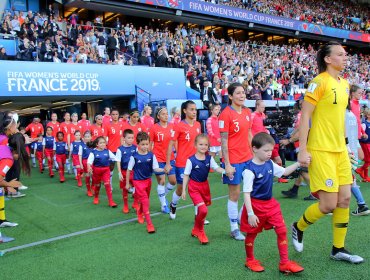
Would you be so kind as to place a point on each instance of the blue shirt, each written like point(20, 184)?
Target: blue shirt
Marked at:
point(367, 131)
point(60, 148)
point(38, 146)
point(75, 147)
point(123, 155)
point(48, 142)
point(258, 178)
point(84, 150)
point(197, 169)
point(101, 158)
point(142, 165)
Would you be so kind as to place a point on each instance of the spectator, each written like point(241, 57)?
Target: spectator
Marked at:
point(3, 55)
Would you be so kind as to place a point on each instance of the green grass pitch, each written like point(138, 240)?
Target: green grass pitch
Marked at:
point(126, 251)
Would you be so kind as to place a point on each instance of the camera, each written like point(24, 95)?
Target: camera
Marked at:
point(279, 122)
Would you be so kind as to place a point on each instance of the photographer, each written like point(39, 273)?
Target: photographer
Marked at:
point(25, 50)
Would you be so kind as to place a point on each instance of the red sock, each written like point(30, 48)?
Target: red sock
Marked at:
point(282, 243)
point(87, 181)
point(40, 165)
point(96, 191)
point(108, 190)
point(200, 217)
point(61, 170)
point(50, 165)
point(249, 246)
point(145, 207)
point(125, 196)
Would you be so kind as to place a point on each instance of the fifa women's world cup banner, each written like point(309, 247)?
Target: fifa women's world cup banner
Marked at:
point(207, 8)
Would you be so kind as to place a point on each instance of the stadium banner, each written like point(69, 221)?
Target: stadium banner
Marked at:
point(63, 79)
point(258, 18)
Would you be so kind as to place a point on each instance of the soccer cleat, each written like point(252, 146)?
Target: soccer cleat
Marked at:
point(16, 195)
point(112, 204)
point(134, 205)
point(194, 232)
point(172, 211)
point(282, 180)
point(150, 228)
point(361, 211)
point(89, 193)
point(344, 255)
point(51, 175)
point(6, 223)
point(96, 200)
point(360, 172)
point(310, 197)
point(290, 267)
point(289, 193)
point(202, 237)
point(125, 209)
point(22, 188)
point(5, 239)
point(254, 265)
point(165, 209)
point(366, 180)
point(237, 235)
point(206, 222)
point(140, 217)
point(297, 238)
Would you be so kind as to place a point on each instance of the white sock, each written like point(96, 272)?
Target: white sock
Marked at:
point(169, 188)
point(55, 162)
point(33, 159)
point(68, 165)
point(196, 209)
point(111, 180)
point(232, 211)
point(175, 199)
point(43, 162)
point(161, 195)
point(75, 171)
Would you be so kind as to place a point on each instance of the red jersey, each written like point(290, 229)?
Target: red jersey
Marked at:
point(237, 126)
point(35, 129)
point(257, 123)
point(147, 121)
point(96, 131)
point(55, 127)
point(72, 129)
point(185, 137)
point(85, 125)
point(213, 131)
point(114, 133)
point(106, 120)
point(66, 129)
point(136, 129)
point(161, 136)
point(176, 120)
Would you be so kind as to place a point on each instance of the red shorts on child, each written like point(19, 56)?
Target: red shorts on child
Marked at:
point(268, 213)
point(275, 151)
point(49, 153)
point(142, 188)
point(61, 158)
point(39, 155)
point(5, 165)
point(199, 192)
point(122, 184)
point(75, 160)
point(84, 164)
point(101, 174)
point(366, 148)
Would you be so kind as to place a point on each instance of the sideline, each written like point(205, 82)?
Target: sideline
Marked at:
point(81, 232)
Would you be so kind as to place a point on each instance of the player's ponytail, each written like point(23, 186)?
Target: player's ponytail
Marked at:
point(324, 51)
point(17, 143)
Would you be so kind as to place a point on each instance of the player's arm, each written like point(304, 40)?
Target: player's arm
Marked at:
point(112, 157)
point(131, 165)
point(281, 171)
point(90, 161)
point(43, 146)
point(118, 161)
point(307, 110)
point(54, 148)
point(155, 165)
point(248, 179)
point(168, 166)
point(229, 170)
point(80, 150)
point(216, 167)
point(185, 180)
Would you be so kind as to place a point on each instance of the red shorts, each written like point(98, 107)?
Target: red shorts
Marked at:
point(366, 148)
point(75, 160)
point(5, 165)
point(268, 213)
point(142, 188)
point(101, 174)
point(199, 192)
point(49, 153)
point(275, 151)
point(84, 165)
point(122, 184)
point(39, 155)
point(61, 158)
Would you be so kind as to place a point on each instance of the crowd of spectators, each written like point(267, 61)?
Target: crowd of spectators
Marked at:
point(344, 14)
point(267, 71)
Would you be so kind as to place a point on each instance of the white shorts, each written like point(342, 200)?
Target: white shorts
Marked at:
point(215, 149)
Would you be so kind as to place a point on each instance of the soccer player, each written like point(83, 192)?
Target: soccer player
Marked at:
point(185, 133)
point(84, 123)
point(123, 155)
point(107, 117)
point(74, 151)
point(48, 144)
point(54, 124)
point(363, 171)
point(38, 151)
point(35, 128)
point(324, 150)
point(65, 127)
point(98, 166)
point(260, 209)
point(83, 153)
point(213, 130)
point(142, 164)
point(60, 151)
point(134, 124)
point(97, 129)
point(196, 176)
point(160, 136)
point(236, 137)
point(146, 118)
